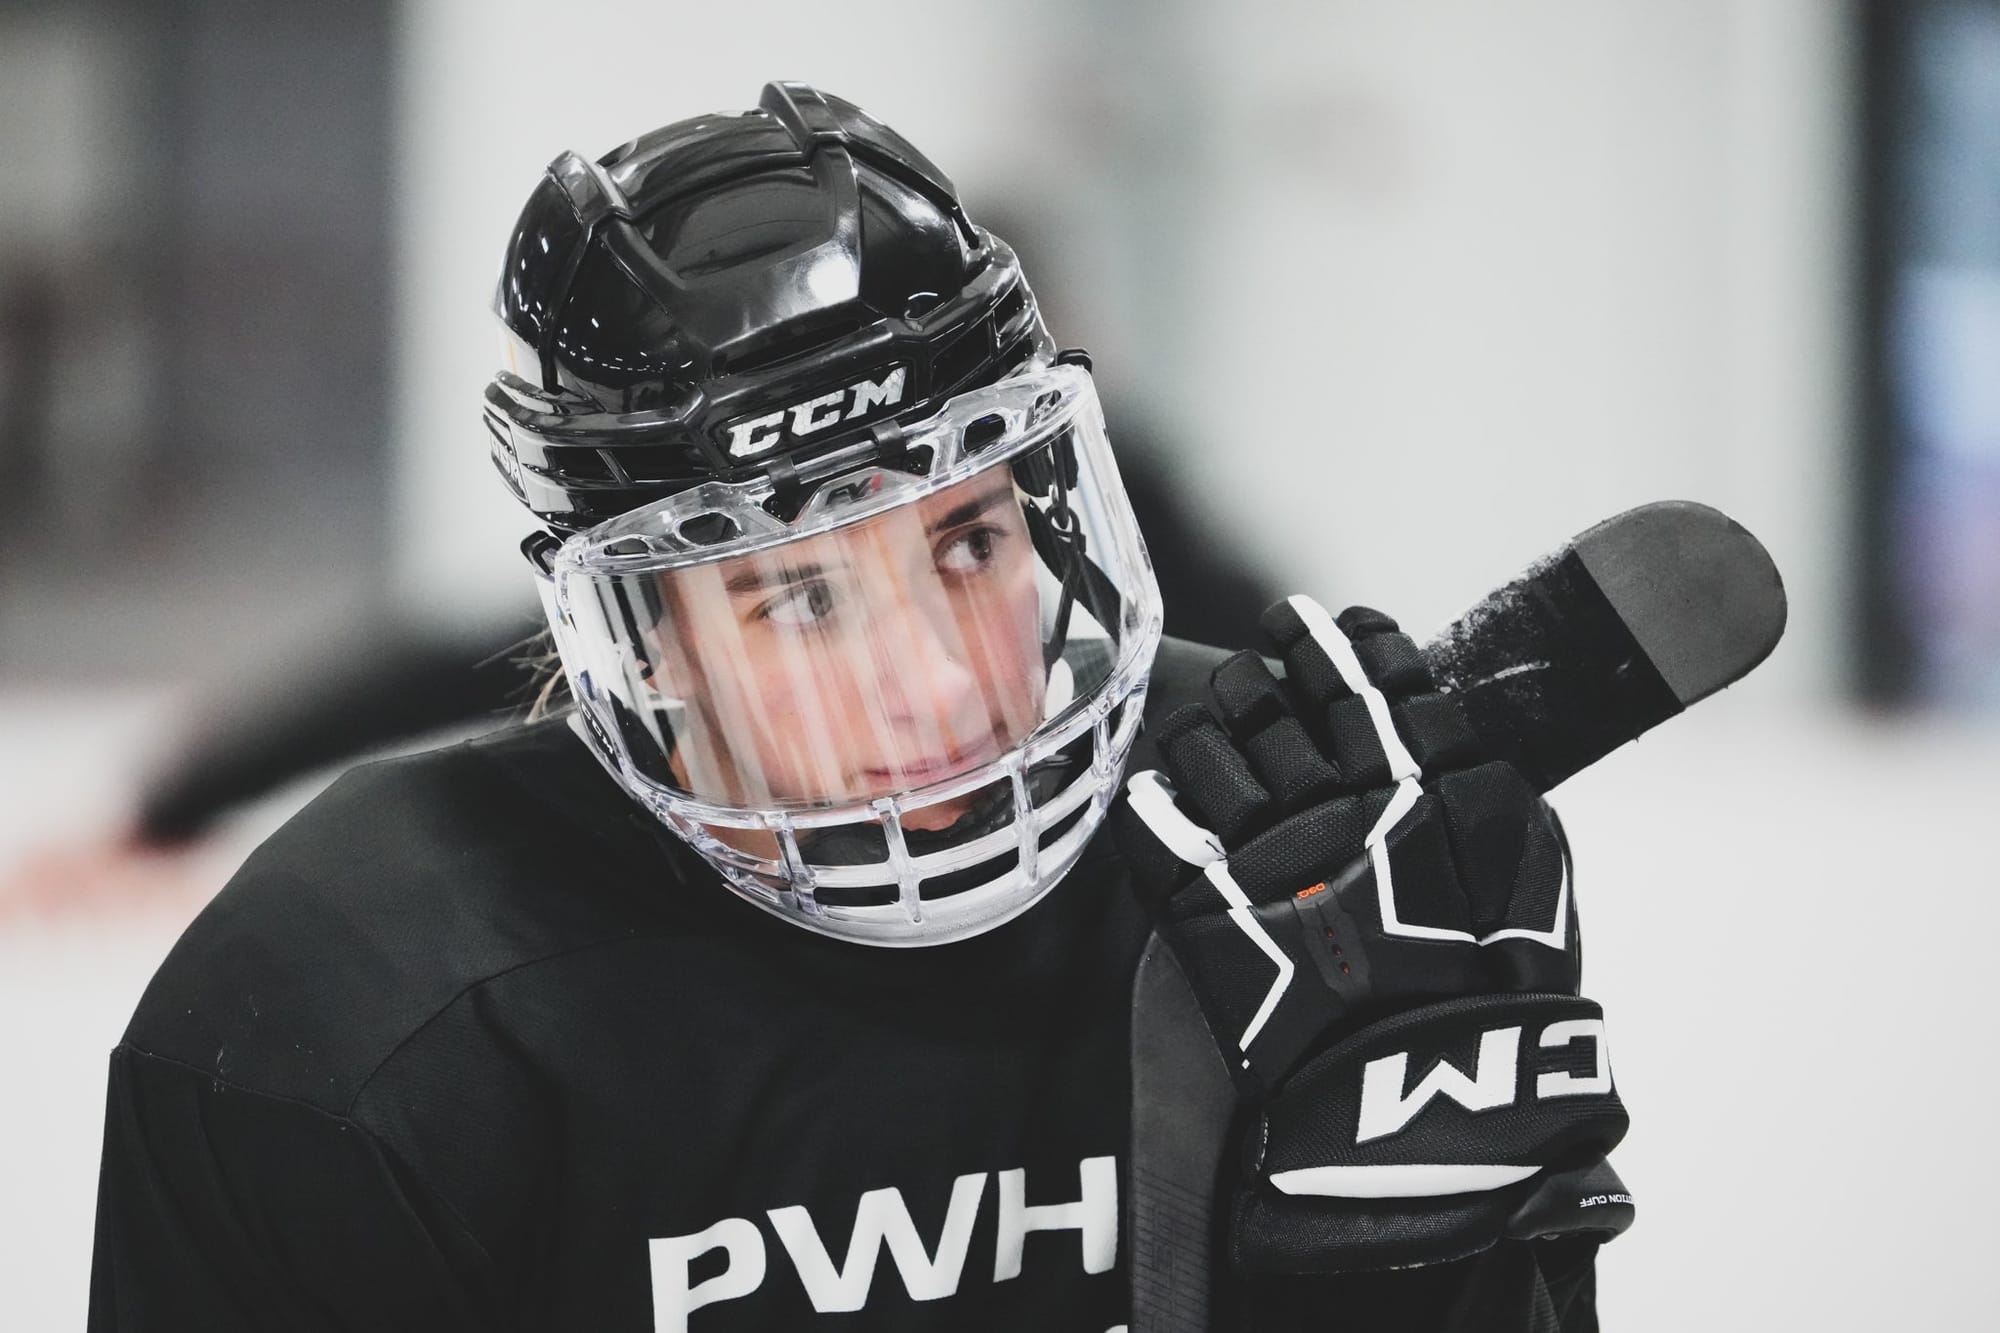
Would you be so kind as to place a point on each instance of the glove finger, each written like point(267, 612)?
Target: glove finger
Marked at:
point(1289, 762)
point(1394, 664)
point(1355, 741)
point(1164, 848)
point(1244, 696)
point(1360, 621)
point(1431, 725)
point(1389, 658)
point(1350, 723)
point(1253, 709)
point(1211, 778)
point(1309, 673)
point(1435, 731)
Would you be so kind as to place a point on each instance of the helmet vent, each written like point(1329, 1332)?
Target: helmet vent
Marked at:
point(661, 462)
point(709, 529)
point(985, 431)
point(582, 464)
point(1010, 307)
point(960, 360)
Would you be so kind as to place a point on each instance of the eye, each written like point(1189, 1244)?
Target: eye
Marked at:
point(969, 551)
point(802, 606)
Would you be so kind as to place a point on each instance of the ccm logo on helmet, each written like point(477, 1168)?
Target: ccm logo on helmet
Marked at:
point(857, 402)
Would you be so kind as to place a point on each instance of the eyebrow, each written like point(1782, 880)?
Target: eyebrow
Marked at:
point(752, 580)
point(972, 509)
point(755, 580)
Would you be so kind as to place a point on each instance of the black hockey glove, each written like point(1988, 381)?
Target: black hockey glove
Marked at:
point(1378, 925)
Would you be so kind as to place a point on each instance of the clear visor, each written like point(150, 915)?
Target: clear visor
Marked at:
point(908, 636)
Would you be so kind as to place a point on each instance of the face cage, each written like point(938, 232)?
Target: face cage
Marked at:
point(1012, 866)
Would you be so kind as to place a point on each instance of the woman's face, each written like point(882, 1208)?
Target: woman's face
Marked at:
point(883, 656)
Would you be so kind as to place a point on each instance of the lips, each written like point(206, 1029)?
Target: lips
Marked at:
point(933, 769)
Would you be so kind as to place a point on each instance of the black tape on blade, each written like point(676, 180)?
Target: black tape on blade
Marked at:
point(1548, 673)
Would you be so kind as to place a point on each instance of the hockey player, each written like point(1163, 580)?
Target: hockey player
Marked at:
point(787, 981)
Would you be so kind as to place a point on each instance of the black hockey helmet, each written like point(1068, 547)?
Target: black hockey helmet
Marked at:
point(735, 296)
point(844, 581)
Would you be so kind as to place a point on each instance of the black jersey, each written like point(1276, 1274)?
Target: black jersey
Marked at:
point(473, 1043)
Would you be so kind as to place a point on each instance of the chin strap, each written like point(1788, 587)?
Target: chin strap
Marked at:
point(1059, 542)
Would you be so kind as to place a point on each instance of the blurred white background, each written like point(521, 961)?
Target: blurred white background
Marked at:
point(1407, 293)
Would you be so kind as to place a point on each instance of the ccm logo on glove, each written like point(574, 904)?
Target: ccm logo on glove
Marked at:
point(1482, 1115)
point(1494, 1082)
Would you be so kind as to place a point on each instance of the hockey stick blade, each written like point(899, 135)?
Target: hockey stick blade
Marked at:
point(1627, 625)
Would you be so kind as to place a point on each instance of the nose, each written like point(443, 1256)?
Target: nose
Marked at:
point(930, 691)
